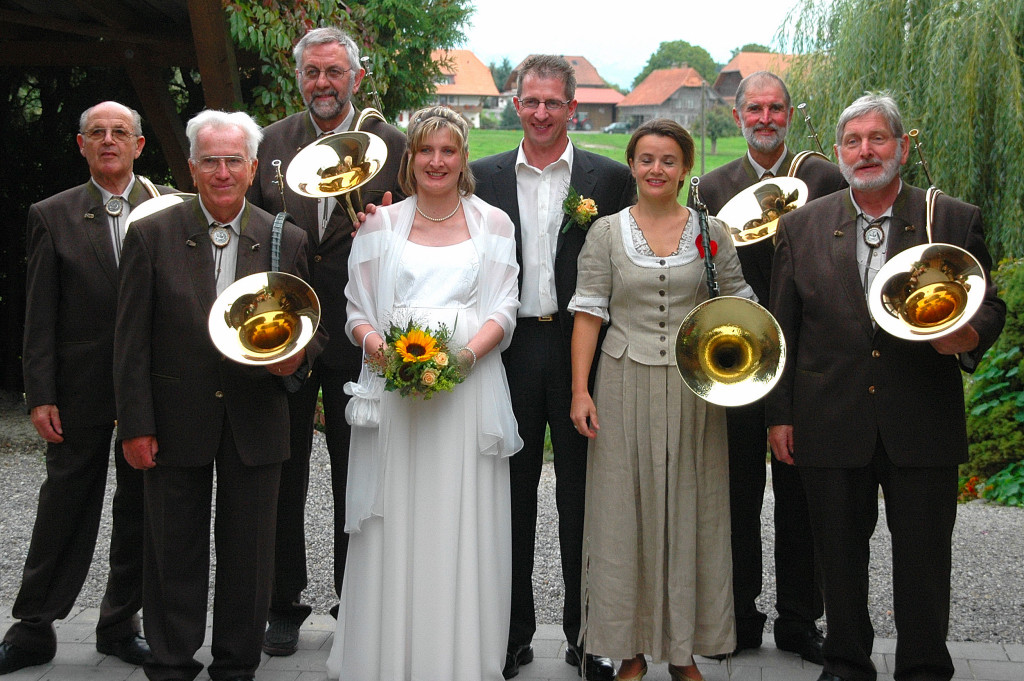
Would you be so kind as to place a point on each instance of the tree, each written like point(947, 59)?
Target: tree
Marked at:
point(676, 53)
point(749, 47)
point(500, 73)
point(719, 123)
point(509, 118)
point(397, 36)
point(955, 67)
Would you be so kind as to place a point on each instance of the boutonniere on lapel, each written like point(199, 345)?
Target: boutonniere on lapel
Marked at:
point(700, 246)
point(580, 210)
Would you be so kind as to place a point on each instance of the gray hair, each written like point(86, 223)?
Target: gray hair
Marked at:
point(759, 78)
point(326, 36)
point(548, 66)
point(873, 102)
point(136, 118)
point(217, 120)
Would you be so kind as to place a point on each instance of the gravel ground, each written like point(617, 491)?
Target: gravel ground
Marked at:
point(988, 572)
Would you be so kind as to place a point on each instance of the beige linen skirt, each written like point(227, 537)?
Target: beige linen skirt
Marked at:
point(657, 566)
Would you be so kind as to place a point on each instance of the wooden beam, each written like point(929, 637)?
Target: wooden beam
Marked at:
point(51, 23)
point(215, 54)
point(163, 117)
point(90, 53)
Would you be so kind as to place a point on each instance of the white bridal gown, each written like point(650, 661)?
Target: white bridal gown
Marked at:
point(426, 588)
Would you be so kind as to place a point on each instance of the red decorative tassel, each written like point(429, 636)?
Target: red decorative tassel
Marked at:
point(700, 246)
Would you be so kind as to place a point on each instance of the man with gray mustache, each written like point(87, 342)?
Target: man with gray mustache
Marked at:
point(763, 112)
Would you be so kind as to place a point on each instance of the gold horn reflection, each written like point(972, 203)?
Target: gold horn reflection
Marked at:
point(336, 165)
point(753, 214)
point(730, 351)
point(264, 318)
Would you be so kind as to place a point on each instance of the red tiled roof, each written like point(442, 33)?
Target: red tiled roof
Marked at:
point(472, 77)
point(586, 74)
point(660, 85)
point(598, 95)
point(750, 62)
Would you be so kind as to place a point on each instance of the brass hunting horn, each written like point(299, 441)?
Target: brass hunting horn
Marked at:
point(729, 350)
point(341, 163)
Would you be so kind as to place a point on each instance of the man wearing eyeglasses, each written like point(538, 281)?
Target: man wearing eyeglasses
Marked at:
point(763, 113)
point(328, 72)
point(530, 183)
point(184, 409)
point(74, 244)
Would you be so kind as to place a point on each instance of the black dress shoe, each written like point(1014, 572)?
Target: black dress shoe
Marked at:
point(132, 650)
point(805, 642)
point(13, 658)
point(241, 678)
point(593, 668)
point(826, 676)
point(516, 657)
point(281, 638)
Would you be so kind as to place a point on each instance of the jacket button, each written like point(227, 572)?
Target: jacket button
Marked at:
point(661, 278)
point(661, 308)
point(219, 394)
point(876, 354)
point(871, 389)
point(317, 258)
point(661, 293)
point(661, 324)
point(663, 353)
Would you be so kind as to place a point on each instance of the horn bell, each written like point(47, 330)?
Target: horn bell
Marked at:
point(264, 318)
point(730, 351)
point(336, 164)
point(927, 292)
point(155, 205)
point(753, 214)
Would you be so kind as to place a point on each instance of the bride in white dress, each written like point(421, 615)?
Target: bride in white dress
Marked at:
point(428, 574)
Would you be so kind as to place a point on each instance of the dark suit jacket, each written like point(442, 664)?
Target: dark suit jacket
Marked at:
point(725, 182)
point(328, 259)
point(847, 383)
point(71, 304)
point(596, 177)
point(169, 378)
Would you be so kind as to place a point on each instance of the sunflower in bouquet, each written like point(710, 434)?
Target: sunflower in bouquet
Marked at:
point(416, 360)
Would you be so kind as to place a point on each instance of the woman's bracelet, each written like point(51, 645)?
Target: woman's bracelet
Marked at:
point(472, 353)
point(367, 336)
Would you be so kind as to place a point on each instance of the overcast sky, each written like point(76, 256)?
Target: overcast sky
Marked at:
point(620, 38)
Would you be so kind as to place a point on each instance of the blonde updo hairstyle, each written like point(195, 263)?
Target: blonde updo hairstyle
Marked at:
point(425, 122)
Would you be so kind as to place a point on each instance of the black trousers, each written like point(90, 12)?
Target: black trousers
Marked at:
point(920, 511)
point(798, 591)
point(64, 538)
point(177, 564)
point(290, 576)
point(537, 365)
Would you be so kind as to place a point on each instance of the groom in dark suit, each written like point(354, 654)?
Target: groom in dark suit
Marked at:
point(74, 243)
point(763, 113)
point(530, 184)
point(858, 409)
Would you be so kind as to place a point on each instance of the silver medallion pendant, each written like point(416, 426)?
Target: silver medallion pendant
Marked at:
point(220, 236)
point(874, 236)
point(114, 206)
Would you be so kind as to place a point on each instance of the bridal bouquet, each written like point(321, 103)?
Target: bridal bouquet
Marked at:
point(416, 361)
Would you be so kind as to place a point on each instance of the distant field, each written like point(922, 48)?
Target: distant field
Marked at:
point(486, 142)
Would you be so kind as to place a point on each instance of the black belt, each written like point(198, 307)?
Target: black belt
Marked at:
point(529, 321)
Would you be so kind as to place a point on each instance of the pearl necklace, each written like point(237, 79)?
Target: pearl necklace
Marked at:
point(457, 206)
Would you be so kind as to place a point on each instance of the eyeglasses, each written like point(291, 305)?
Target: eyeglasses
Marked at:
point(100, 134)
point(549, 104)
point(313, 73)
point(211, 164)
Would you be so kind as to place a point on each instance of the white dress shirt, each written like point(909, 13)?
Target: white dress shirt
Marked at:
point(541, 193)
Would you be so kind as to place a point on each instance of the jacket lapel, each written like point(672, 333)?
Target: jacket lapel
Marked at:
point(584, 181)
point(98, 228)
point(199, 257)
point(844, 263)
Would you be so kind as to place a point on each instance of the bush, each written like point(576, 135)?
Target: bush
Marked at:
point(995, 392)
point(1007, 486)
point(489, 121)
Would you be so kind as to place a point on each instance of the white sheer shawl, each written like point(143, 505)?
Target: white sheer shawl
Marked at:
point(373, 272)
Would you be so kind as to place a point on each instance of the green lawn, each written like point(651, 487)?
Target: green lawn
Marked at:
point(486, 142)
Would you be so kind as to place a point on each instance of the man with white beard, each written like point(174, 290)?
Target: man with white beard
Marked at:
point(763, 112)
